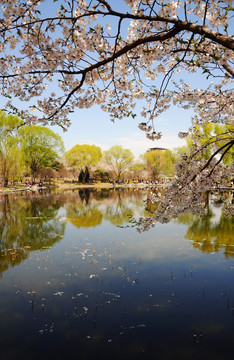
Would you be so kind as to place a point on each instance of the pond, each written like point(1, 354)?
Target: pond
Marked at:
point(78, 280)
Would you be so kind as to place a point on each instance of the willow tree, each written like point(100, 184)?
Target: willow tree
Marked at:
point(12, 163)
point(113, 54)
point(42, 148)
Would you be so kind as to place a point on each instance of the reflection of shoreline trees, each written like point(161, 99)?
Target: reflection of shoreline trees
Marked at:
point(33, 223)
point(27, 224)
point(206, 234)
point(118, 213)
point(83, 215)
point(87, 210)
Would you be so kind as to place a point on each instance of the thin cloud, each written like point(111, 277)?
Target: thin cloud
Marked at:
point(138, 144)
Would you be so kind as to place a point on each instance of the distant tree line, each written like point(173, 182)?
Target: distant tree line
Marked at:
point(117, 163)
point(37, 152)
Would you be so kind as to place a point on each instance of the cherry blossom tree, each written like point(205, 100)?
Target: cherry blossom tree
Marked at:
point(74, 46)
point(117, 54)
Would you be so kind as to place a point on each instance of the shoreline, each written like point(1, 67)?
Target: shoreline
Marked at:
point(71, 186)
point(75, 186)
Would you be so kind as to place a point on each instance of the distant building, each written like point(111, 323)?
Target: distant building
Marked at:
point(156, 148)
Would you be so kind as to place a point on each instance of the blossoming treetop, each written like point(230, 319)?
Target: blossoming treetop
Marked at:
point(74, 46)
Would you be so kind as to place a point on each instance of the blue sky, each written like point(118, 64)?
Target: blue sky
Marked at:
point(93, 126)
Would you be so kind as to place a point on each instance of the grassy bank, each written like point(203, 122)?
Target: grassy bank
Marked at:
point(69, 186)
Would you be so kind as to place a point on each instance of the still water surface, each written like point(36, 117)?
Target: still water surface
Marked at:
point(77, 281)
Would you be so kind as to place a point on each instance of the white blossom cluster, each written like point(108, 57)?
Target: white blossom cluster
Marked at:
point(197, 177)
point(93, 64)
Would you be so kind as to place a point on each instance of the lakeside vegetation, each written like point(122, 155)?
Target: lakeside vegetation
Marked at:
point(33, 154)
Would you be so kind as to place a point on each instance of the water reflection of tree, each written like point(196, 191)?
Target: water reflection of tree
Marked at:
point(207, 235)
point(27, 224)
point(87, 209)
point(118, 214)
point(83, 215)
point(84, 195)
point(31, 223)
point(122, 205)
point(117, 210)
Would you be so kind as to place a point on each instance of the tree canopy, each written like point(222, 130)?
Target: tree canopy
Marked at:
point(210, 134)
point(82, 156)
point(11, 154)
point(160, 162)
point(26, 148)
point(42, 147)
point(118, 159)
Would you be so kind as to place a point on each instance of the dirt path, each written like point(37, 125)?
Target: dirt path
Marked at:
point(71, 186)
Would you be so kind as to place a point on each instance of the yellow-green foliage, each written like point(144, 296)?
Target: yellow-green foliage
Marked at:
point(26, 147)
point(11, 155)
point(160, 162)
point(212, 136)
point(118, 159)
point(81, 156)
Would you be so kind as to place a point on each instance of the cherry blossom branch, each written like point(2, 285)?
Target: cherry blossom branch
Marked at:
point(155, 30)
point(215, 36)
point(205, 12)
point(116, 55)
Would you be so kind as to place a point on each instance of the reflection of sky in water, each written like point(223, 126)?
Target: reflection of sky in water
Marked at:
point(113, 292)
